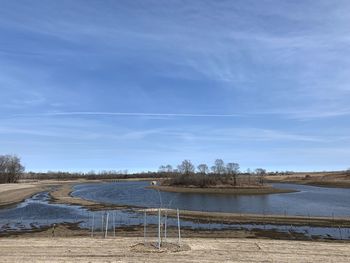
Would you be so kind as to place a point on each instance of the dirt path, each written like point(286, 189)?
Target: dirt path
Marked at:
point(201, 250)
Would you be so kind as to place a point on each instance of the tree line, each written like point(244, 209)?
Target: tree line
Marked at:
point(187, 173)
point(11, 170)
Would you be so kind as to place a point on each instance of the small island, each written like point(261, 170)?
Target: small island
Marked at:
point(223, 179)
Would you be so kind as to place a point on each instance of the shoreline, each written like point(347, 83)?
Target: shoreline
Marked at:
point(241, 218)
point(224, 191)
point(67, 230)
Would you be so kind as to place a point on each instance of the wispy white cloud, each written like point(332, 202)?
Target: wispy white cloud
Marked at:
point(130, 114)
point(249, 72)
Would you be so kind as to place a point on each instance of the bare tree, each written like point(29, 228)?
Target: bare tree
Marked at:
point(161, 169)
point(186, 167)
point(260, 173)
point(165, 169)
point(10, 168)
point(232, 170)
point(203, 168)
point(249, 172)
point(219, 167)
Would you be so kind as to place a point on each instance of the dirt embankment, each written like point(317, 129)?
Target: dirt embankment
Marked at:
point(11, 194)
point(121, 249)
point(222, 190)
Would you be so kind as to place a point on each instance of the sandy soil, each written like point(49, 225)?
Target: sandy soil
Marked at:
point(15, 193)
point(122, 249)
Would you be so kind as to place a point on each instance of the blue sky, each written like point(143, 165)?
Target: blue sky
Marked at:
point(136, 84)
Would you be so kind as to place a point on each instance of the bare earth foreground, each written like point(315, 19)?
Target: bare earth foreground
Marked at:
point(25, 249)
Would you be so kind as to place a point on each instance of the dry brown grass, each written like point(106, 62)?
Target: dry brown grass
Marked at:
point(201, 250)
point(328, 179)
point(15, 193)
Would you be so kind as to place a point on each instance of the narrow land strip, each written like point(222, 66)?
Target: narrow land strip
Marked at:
point(11, 194)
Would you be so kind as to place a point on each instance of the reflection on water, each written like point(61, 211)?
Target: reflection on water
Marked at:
point(308, 201)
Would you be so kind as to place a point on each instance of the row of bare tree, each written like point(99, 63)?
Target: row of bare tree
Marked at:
point(186, 173)
point(11, 170)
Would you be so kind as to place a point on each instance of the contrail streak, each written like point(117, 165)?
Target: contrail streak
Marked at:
point(132, 114)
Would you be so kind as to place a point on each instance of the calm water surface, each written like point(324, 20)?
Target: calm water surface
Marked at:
point(309, 200)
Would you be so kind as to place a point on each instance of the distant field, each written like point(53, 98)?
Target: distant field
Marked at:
point(330, 179)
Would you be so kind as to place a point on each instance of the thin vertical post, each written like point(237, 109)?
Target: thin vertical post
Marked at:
point(92, 225)
point(106, 225)
point(165, 226)
point(114, 216)
point(341, 238)
point(178, 225)
point(102, 224)
point(159, 228)
point(144, 227)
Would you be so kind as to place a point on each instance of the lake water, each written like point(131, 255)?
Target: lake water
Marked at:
point(309, 200)
point(37, 211)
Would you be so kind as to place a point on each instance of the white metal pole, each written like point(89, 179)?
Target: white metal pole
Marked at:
point(159, 228)
point(144, 227)
point(165, 226)
point(114, 216)
point(106, 225)
point(102, 224)
point(92, 225)
point(178, 225)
